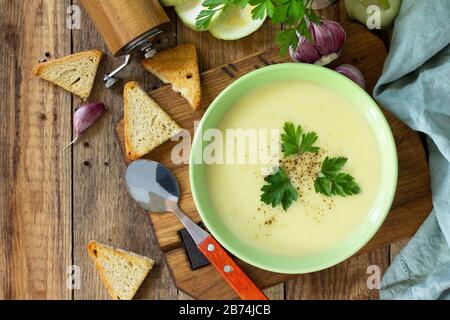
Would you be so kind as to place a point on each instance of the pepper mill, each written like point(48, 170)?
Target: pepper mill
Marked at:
point(127, 27)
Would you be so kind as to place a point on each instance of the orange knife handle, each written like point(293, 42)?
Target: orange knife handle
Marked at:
point(229, 269)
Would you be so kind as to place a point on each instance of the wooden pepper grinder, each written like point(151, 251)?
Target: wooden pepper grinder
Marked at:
point(127, 27)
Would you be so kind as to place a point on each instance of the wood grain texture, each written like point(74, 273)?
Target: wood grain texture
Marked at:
point(214, 52)
point(35, 188)
point(412, 202)
point(45, 191)
point(346, 281)
point(396, 247)
point(102, 209)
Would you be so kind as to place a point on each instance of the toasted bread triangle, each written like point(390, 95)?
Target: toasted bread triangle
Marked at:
point(179, 67)
point(122, 272)
point(75, 73)
point(147, 126)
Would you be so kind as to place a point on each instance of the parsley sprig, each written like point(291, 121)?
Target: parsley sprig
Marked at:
point(333, 182)
point(279, 190)
point(294, 15)
point(205, 16)
point(295, 141)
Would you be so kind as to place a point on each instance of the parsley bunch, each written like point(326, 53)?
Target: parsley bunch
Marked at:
point(294, 15)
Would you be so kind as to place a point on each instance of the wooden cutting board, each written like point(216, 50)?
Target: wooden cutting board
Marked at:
point(412, 201)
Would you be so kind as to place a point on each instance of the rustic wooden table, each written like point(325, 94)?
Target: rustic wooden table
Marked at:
point(52, 202)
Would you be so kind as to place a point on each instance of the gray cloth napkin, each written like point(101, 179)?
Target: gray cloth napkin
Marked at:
point(415, 87)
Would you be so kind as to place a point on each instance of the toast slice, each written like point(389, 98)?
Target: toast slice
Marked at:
point(147, 126)
point(75, 73)
point(179, 67)
point(122, 272)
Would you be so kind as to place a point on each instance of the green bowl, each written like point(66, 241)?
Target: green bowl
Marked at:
point(359, 237)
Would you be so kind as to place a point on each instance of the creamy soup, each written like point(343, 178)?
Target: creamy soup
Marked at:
point(314, 222)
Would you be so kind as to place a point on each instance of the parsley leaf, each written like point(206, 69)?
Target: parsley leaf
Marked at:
point(303, 29)
point(262, 8)
point(294, 141)
point(333, 182)
point(204, 19)
point(308, 139)
point(279, 190)
point(296, 11)
point(291, 139)
point(286, 39)
point(205, 16)
point(280, 13)
point(241, 3)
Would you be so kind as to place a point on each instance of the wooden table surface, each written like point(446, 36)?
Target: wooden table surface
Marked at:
point(52, 202)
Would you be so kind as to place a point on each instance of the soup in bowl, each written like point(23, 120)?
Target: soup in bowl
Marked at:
point(293, 168)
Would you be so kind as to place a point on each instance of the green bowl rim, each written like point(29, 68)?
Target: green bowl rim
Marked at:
point(392, 156)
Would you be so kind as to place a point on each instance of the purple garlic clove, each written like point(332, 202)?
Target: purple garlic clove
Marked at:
point(353, 73)
point(85, 116)
point(306, 52)
point(338, 35)
point(322, 38)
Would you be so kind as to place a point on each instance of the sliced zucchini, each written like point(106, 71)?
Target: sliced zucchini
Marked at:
point(358, 10)
point(189, 11)
point(235, 23)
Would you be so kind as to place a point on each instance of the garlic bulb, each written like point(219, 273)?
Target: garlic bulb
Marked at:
point(353, 73)
point(328, 38)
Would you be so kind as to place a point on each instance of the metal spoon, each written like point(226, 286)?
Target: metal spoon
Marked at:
point(155, 188)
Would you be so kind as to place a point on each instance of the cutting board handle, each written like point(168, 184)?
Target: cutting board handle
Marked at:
point(229, 269)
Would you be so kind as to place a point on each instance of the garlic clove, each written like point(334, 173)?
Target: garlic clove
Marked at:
point(353, 73)
point(84, 117)
point(338, 35)
point(322, 38)
point(306, 52)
